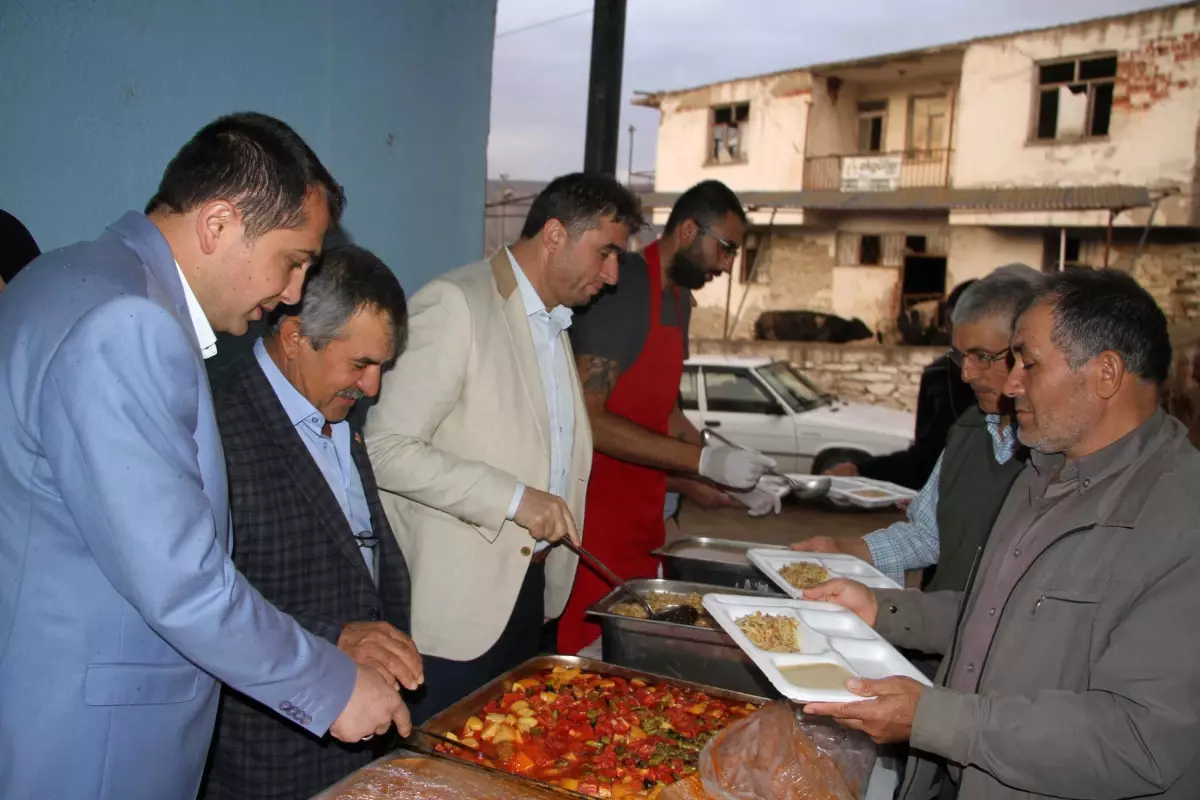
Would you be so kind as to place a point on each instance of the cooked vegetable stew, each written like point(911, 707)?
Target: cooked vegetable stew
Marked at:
point(598, 735)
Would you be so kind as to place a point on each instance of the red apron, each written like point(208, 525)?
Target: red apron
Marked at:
point(625, 502)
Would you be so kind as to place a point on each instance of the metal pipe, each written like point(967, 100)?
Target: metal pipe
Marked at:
point(604, 87)
point(1062, 249)
point(629, 171)
point(1145, 233)
point(1112, 212)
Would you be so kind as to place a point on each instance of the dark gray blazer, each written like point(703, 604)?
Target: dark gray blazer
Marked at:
point(293, 543)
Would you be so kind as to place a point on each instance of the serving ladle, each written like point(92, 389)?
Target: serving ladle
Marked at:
point(677, 615)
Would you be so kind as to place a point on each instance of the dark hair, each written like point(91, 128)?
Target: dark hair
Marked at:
point(1098, 310)
point(342, 281)
point(17, 247)
point(705, 203)
point(254, 161)
point(580, 201)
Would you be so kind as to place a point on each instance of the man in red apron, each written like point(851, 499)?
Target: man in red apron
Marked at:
point(630, 345)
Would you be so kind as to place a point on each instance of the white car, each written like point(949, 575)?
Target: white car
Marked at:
point(771, 407)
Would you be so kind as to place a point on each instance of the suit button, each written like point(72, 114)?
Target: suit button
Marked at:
point(285, 706)
point(525, 551)
point(375, 615)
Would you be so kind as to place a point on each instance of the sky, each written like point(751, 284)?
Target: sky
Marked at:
point(543, 49)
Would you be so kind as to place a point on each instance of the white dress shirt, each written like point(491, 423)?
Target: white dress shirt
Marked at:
point(205, 335)
point(546, 327)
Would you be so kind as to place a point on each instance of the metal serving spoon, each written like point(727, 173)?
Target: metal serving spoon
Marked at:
point(812, 489)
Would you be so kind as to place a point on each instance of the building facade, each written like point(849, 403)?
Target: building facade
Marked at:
point(876, 185)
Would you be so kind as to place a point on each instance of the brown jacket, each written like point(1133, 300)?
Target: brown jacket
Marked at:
point(1091, 685)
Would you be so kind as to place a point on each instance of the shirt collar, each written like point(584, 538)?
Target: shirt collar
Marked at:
point(295, 405)
point(1090, 469)
point(559, 315)
point(205, 337)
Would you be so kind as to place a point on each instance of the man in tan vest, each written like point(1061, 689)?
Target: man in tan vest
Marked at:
point(481, 444)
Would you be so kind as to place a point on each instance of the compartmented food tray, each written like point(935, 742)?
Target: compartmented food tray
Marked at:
point(818, 646)
point(715, 562)
point(863, 492)
point(777, 565)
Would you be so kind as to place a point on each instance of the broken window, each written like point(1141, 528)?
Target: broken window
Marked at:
point(754, 261)
point(872, 117)
point(1066, 250)
point(927, 124)
point(727, 129)
point(870, 250)
point(1075, 98)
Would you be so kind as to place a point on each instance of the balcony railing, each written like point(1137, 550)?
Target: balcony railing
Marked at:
point(878, 171)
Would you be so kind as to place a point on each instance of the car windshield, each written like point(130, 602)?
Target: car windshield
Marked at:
point(796, 390)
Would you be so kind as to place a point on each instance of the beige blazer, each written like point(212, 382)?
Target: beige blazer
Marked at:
point(460, 419)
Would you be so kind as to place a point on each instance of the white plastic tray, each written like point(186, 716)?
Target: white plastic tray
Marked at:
point(839, 565)
point(828, 634)
point(863, 492)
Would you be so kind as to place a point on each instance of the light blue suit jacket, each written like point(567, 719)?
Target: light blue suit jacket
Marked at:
point(119, 607)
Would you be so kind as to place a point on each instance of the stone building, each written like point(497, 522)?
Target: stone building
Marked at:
point(877, 184)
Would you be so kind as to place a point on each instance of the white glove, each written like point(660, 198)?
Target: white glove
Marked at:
point(733, 466)
point(766, 497)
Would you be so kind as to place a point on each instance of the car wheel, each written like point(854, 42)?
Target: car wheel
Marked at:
point(825, 460)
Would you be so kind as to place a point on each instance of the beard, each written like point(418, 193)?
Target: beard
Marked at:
point(686, 269)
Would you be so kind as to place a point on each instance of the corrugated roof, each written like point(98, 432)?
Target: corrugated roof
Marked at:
point(1049, 198)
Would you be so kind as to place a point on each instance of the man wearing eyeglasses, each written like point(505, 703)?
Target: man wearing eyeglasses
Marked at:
point(630, 345)
point(310, 533)
point(950, 518)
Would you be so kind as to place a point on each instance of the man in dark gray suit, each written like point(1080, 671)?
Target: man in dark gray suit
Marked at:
point(311, 535)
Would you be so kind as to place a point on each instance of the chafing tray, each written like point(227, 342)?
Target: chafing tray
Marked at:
point(371, 782)
point(455, 717)
point(715, 562)
point(687, 652)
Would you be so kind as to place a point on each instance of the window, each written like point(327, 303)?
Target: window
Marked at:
point(754, 260)
point(733, 390)
point(916, 244)
point(1066, 251)
point(927, 124)
point(689, 390)
point(727, 128)
point(796, 390)
point(870, 250)
point(879, 249)
point(1075, 98)
point(872, 117)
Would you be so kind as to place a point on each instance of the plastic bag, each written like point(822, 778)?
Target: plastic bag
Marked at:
point(403, 776)
point(778, 754)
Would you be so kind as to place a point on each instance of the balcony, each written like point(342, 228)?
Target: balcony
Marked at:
point(878, 172)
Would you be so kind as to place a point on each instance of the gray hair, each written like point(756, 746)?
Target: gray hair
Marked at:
point(1002, 293)
point(344, 280)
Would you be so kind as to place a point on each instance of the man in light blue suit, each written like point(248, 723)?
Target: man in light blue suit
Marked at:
point(119, 606)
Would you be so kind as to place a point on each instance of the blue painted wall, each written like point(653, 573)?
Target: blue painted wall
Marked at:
point(394, 95)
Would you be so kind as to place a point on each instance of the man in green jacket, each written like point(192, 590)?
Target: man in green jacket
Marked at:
point(1071, 669)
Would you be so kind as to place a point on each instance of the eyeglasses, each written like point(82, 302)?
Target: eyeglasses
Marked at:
point(729, 247)
point(979, 359)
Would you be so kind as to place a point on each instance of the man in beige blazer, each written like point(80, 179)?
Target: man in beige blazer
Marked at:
point(481, 444)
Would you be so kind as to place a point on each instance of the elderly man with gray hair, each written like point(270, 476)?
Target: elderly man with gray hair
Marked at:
point(309, 531)
point(949, 520)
